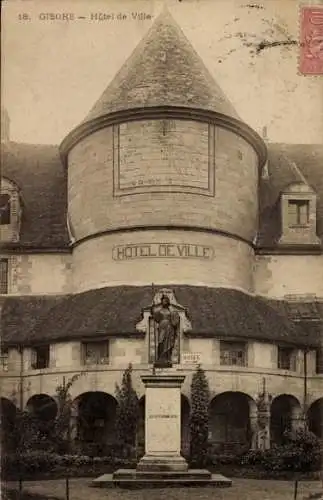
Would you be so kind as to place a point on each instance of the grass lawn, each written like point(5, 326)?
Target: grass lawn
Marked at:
point(242, 489)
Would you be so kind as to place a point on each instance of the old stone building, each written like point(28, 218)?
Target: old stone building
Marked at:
point(164, 189)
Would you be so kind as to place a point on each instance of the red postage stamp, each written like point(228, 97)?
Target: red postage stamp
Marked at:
point(311, 40)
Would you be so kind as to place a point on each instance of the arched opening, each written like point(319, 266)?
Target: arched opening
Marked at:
point(42, 410)
point(229, 426)
point(285, 415)
point(8, 412)
point(43, 407)
point(315, 418)
point(96, 413)
point(185, 426)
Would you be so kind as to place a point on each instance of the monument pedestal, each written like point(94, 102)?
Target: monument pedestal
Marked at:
point(163, 424)
point(162, 465)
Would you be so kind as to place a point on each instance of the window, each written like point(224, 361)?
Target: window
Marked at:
point(96, 353)
point(286, 359)
point(233, 353)
point(298, 212)
point(4, 209)
point(40, 357)
point(4, 357)
point(3, 276)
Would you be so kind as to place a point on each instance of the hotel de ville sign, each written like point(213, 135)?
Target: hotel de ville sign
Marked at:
point(162, 250)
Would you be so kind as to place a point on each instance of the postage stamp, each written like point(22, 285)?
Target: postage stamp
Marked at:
point(311, 40)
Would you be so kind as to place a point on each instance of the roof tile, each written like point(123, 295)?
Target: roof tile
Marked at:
point(163, 69)
point(217, 312)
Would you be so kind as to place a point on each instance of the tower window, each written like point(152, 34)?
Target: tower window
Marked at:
point(5, 209)
point(3, 276)
point(298, 212)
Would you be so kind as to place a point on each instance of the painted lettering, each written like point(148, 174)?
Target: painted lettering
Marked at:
point(162, 250)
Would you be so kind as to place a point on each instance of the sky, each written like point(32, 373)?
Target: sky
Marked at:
point(53, 71)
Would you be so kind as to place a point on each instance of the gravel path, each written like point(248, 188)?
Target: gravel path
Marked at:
point(242, 489)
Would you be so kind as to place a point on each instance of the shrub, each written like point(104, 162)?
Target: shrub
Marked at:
point(28, 463)
point(127, 414)
point(199, 418)
point(39, 463)
point(301, 452)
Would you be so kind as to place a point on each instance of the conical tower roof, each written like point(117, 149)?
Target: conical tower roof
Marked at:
point(164, 69)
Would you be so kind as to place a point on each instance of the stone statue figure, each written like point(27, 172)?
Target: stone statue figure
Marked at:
point(167, 322)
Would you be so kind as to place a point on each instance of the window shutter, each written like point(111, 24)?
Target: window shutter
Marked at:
point(292, 213)
point(33, 358)
point(4, 276)
point(303, 213)
point(5, 206)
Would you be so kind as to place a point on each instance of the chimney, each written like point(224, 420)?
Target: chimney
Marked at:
point(5, 126)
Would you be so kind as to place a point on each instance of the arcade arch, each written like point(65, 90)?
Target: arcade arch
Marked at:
point(95, 414)
point(285, 415)
point(230, 421)
point(315, 418)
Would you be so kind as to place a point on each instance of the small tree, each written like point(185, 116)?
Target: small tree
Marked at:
point(26, 434)
point(199, 417)
point(62, 427)
point(127, 414)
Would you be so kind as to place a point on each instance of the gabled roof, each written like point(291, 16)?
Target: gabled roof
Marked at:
point(163, 69)
point(39, 174)
point(214, 312)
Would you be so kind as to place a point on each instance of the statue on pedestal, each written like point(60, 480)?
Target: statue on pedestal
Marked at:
point(166, 322)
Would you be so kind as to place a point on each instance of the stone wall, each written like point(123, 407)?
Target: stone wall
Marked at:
point(104, 194)
point(66, 360)
point(276, 276)
point(39, 274)
point(175, 257)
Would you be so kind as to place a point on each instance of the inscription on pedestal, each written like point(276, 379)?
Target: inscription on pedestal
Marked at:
point(162, 416)
point(163, 420)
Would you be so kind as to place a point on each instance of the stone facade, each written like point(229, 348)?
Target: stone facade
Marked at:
point(171, 193)
point(278, 276)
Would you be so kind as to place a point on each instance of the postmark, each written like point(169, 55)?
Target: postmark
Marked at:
point(311, 40)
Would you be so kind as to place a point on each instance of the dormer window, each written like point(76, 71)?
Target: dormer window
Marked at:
point(298, 215)
point(4, 209)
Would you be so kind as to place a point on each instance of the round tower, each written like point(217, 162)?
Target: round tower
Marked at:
point(163, 175)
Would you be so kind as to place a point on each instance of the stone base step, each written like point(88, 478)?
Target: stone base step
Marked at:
point(162, 474)
point(156, 481)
